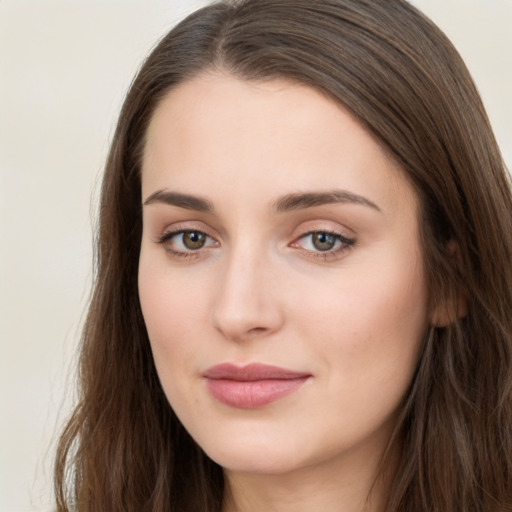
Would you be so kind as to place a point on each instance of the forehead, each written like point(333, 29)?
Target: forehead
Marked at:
point(275, 135)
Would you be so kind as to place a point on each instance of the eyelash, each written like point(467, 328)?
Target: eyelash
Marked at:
point(345, 244)
point(166, 237)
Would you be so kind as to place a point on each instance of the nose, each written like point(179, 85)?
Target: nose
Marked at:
point(246, 305)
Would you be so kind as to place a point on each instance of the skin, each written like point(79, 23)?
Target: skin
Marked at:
point(259, 290)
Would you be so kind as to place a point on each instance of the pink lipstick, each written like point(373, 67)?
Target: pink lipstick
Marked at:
point(251, 386)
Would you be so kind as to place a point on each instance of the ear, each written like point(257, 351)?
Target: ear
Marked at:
point(453, 305)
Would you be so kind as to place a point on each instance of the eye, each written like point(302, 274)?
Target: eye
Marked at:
point(323, 243)
point(193, 240)
point(185, 242)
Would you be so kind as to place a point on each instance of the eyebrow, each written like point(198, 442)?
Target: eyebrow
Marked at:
point(181, 200)
point(289, 202)
point(301, 201)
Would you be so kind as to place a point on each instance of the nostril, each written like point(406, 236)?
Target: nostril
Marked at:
point(256, 330)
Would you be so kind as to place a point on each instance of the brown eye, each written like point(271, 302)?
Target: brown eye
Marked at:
point(194, 240)
point(186, 242)
point(323, 241)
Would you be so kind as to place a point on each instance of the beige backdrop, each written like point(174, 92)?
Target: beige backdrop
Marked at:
point(64, 68)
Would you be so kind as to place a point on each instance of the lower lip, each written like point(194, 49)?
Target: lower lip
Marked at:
point(252, 394)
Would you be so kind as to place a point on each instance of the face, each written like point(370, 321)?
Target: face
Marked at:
point(281, 277)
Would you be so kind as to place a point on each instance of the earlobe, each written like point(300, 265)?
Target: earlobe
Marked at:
point(453, 303)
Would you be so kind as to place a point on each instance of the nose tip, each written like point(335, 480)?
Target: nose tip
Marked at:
point(246, 306)
point(239, 318)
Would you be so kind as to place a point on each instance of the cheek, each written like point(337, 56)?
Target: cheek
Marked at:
point(174, 312)
point(384, 297)
point(369, 327)
point(171, 313)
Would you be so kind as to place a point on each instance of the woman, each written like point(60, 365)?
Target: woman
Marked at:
point(304, 280)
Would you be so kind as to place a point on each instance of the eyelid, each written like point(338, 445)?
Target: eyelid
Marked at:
point(335, 234)
point(182, 226)
point(343, 242)
point(165, 239)
point(346, 242)
point(168, 235)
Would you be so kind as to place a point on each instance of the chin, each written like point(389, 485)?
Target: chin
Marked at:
point(259, 454)
point(266, 462)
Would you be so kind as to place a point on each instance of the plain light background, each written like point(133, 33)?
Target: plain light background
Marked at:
point(64, 69)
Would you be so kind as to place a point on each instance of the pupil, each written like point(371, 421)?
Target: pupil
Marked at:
point(323, 241)
point(193, 240)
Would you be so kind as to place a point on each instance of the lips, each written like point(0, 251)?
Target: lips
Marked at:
point(252, 386)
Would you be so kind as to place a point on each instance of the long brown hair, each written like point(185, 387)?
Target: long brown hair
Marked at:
point(124, 449)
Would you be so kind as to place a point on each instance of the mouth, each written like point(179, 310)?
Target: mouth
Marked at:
point(252, 386)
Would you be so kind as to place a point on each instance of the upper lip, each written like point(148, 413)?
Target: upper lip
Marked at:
point(252, 372)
